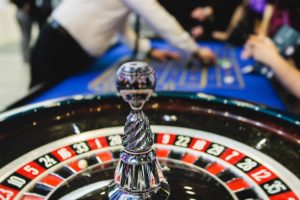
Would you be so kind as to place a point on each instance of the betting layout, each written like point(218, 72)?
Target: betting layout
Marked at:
point(242, 172)
point(180, 76)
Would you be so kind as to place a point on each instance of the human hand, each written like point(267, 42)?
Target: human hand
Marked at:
point(206, 56)
point(163, 55)
point(197, 31)
point(202, 13)
point(221, 36)
point(261, 49)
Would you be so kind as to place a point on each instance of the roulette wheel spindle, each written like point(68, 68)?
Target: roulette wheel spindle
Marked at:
point(138, 174)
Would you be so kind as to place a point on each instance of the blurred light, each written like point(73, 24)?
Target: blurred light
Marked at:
point(187, 187)
point(155, 105)
point(76, 129)
point(190, 192)
point(78, 97)
point(205, 96)
point(165, 168)
point(258, 123)
point(261, 144)
point(170, 118)
point(280, 132)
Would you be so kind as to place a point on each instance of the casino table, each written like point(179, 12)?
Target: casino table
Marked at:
point(208, 146)
point(228, 81)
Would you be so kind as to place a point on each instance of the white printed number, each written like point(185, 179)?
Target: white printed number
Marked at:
point(97, 142)
point(233, 154)
point(81, 147)
point(182, 141)
point(16, 181)
point(49, 162)
point(260, 175)
point(31, 170)
point(275, 187)
point(165, 139)
point(216, 149)
point(199, 145)
point(64, 153)
point(115, 140)
point(247, 165)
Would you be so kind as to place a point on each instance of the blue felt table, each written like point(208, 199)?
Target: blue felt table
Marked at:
point(176, 76)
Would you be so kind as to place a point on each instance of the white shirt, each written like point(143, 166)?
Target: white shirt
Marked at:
point(93, 23)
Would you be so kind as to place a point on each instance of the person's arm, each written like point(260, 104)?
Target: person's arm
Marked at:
point(264, 50)
point(267, 16)
point(129, 37)
point(236, 18)
point(168, 28)
point(287, 74)
point(163, 23)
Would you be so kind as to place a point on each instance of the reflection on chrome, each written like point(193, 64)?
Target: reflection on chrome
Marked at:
point(138, 175)
point(75, 128)
point(170, 118)
point(261, 144)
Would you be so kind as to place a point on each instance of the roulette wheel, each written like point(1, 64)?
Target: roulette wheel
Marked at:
point(204, 147)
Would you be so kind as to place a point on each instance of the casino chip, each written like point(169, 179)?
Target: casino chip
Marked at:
point(228, 79)
point(225, 63)
point(247, 69)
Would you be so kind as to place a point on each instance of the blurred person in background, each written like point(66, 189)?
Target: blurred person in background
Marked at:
point(83, 30)
point(200, 18)
point(215, 13)
point(251, 16)
point(28, 12)
point(263, 49)
point(24, 20)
